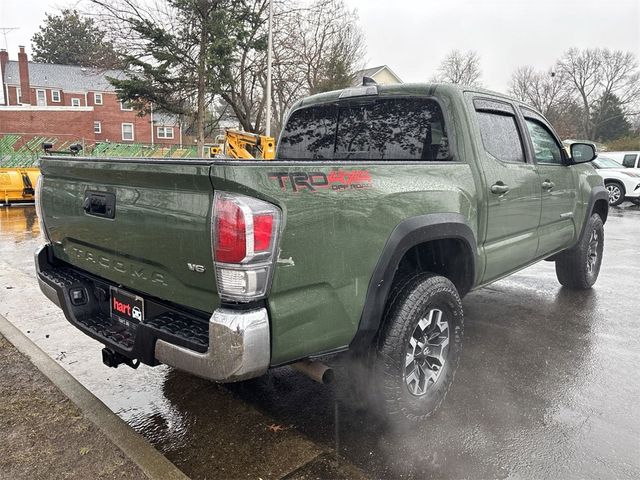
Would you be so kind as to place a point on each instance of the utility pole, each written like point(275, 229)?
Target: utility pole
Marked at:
point(269, 60)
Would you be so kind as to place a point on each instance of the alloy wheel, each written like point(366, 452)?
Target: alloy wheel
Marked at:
point(614, 193)
point(426, 352)
point(592, 253)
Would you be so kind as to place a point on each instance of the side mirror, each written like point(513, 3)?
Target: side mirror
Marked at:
point(582, 153)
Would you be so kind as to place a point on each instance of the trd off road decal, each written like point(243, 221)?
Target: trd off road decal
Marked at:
point(337, 180)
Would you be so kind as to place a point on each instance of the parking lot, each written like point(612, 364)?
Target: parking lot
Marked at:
point(547, 387)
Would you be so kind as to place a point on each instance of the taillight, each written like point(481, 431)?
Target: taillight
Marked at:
point(230, 231)
point(245, 238)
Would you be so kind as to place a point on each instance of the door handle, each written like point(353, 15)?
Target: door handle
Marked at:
point(548, 185)
point(499, 188)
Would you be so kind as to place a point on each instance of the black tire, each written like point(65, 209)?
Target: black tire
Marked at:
point(417, 302)
point(616, 192)
point(578, 268)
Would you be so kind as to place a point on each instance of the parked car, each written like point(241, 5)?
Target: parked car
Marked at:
point(626, 159)
point(621, 184)
point(384, 206)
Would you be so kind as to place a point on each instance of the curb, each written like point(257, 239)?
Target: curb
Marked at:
point(133, 445)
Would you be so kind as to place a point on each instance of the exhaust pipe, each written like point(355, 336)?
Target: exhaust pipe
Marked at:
point(315, 371)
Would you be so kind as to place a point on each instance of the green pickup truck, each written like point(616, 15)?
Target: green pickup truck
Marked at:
point(385, 205)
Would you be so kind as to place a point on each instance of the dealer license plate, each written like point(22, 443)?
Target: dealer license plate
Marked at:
point(126, 308)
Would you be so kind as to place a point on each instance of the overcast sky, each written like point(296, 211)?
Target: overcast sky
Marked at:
point(412, 36)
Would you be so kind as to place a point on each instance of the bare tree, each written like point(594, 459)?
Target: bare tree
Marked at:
point(543, 90)
point(596, 75)
point(328, 35)
point(619, 84)
point(462, 68)
point(582, 68)
point(190, 55)
point(316, 48)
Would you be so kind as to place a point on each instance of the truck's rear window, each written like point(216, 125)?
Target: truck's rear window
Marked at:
point(381, 129)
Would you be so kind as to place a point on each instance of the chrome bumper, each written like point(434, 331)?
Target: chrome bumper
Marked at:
point(239, 347)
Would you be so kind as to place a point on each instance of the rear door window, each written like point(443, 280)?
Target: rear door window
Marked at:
point(500, 136)
point(629, 161)
point(410, 129)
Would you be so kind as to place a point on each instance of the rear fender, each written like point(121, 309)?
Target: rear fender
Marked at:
point(409, 233)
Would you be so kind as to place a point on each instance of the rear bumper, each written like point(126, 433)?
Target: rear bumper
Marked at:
point(238, 347)
point(229, 346)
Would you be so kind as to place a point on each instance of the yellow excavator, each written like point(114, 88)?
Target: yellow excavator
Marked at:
point(17, 185)
point(243, 146)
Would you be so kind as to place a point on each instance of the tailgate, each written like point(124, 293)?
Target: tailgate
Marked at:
point(159, 239)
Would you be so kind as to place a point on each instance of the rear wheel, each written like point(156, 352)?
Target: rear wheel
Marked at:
point(579, 267)
point(419, 347)
point(616, 192)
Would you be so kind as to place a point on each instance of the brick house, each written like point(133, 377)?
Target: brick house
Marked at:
point(73, 103)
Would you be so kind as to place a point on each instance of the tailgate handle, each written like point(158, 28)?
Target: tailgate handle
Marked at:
point(100, 204)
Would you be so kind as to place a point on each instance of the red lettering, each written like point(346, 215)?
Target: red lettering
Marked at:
point(121, 307)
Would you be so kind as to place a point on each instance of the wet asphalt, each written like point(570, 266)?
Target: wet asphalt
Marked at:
point(548, 385)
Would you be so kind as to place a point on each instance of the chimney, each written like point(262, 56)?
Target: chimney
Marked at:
point(23, 67)
point(4, 59)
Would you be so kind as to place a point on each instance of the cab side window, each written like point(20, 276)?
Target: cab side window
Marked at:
point(545, 147)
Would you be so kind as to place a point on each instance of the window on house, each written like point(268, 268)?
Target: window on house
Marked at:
point(18, 95)
point(75, 102)
point(165, 132)
point(97, 127)
point(55, 96)
point(126, 106)
point(127, 132)
point(97, 98)
point(41, 98)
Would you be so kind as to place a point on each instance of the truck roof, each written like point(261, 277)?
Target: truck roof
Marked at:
point(421, 89)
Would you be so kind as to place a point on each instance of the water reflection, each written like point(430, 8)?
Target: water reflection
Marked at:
point(19, 222)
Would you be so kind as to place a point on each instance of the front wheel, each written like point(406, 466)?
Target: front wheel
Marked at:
point(616, 193)
point(419, 347)
point(579, 267)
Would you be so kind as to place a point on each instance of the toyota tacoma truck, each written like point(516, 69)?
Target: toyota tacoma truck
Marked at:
point(385, 205)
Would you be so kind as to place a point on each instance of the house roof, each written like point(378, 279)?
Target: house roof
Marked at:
point(370, 72)
point(65, 77)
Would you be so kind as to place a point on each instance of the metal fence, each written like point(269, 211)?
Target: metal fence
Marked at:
point(23, 151)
